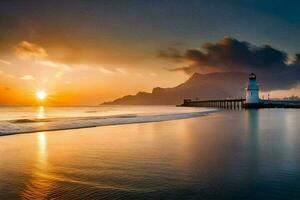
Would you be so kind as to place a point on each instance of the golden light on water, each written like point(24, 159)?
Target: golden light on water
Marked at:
point(40, 114)
point(39, 185)
point(42, 147)
point(41, 95)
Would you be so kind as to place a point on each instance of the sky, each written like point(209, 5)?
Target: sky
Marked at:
point(87, 52)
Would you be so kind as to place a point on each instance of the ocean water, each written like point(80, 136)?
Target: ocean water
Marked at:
point(15, 120)
point(247, 154)
point(42, 112)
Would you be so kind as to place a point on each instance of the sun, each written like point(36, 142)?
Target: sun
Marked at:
point(41, 95)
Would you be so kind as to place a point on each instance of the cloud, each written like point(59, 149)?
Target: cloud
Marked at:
point(171, 53)
point(27, 77)
point(153, 74)
point(53, 64)
point(122, 70)
point(118, 70)
point(231, 55)
point(105, 71)
point(5, 62)
point(59, 74)
point(29, 51)
point(5, 74)
point(33, 52)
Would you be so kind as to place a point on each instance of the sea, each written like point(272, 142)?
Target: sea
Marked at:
point(149, 152)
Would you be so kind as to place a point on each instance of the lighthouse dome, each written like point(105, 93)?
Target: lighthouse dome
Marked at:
point(252, 76)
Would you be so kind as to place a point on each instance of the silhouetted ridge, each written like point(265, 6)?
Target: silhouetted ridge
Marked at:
point(201, 86)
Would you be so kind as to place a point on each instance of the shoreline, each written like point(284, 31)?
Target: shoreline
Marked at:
point(80, 123)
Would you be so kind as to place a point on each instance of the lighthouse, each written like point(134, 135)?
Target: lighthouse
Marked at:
point(252, 90)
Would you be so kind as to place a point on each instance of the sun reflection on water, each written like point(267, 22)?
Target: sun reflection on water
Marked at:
point(42, 148)
point(38, 186)
point(40, 114)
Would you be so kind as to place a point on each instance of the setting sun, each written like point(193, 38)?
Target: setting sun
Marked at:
point(41, 95)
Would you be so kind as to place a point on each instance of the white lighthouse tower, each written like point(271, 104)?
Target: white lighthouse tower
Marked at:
point(252, 90)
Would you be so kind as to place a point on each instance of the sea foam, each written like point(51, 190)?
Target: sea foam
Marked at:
point(8, 127)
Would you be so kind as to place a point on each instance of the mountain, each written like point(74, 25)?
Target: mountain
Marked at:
point(201, 86)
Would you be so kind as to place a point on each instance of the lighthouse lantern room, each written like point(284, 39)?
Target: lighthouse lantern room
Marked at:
point(252, 90)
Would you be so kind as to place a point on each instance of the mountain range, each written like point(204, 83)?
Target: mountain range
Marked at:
point(198, 86)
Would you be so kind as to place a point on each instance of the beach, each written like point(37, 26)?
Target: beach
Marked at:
point(149, 100)
point(36, 119)
point(251, 154)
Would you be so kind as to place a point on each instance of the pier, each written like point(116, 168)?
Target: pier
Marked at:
point(252, 100)
point(236, 104)
point(217, 103)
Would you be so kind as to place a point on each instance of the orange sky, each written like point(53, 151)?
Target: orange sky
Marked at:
point(31, 67)
point(24, 73)
point(89, 52)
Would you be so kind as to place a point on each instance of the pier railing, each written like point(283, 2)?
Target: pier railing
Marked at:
point(240, 103)
point(217, 103)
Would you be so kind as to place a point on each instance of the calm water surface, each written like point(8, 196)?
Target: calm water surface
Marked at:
point(251, 154)
point(41, 112)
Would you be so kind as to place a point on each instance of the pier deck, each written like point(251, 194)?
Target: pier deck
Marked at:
point(240, 103)
point(217, 103)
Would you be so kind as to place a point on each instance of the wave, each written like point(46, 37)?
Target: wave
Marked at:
point(10, 127)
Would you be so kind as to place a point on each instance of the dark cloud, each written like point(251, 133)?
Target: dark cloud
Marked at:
point(232, 55)
point(297, 60)
point(171, 53)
